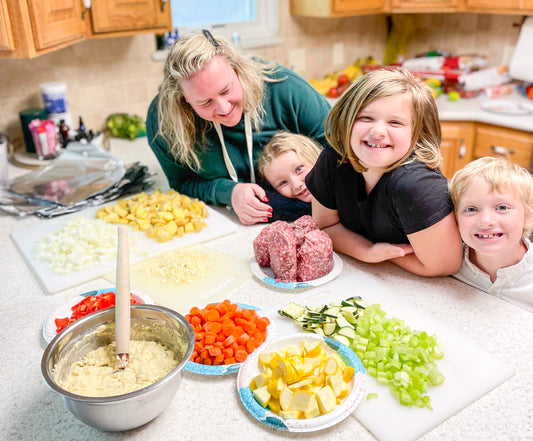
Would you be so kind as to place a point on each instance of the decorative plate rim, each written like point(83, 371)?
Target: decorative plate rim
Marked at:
point(267, 277)
point(269, 418)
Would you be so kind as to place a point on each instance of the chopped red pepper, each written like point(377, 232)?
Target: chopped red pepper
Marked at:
point(89, 305)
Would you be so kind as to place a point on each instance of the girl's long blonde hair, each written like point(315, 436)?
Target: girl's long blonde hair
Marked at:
point(382, 83)
point(179, 125)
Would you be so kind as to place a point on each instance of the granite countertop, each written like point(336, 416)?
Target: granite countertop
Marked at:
point(208, 408)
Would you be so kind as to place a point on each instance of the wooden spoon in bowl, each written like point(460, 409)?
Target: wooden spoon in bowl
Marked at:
point(122, 300)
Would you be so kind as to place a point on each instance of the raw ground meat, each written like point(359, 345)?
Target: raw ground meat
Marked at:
point(282, 250)
point(315, 256)
point(302, 226)
point(262, 257)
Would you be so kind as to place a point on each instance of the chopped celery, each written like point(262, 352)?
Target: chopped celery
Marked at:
point(391, 352)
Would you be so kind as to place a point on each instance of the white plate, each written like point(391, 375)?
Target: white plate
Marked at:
point(250, 369)
point(204, 369)
point(505, 107)
point(266, 275)
point(65, 310)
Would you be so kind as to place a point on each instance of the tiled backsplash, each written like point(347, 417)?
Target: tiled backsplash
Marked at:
point(118, 75)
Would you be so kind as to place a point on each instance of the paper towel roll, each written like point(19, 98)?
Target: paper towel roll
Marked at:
point(521, 67)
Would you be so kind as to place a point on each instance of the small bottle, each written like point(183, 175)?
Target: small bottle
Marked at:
point(82, 133)
point(63, 133)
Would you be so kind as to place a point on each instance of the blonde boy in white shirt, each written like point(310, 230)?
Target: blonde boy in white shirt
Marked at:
point(493, 200)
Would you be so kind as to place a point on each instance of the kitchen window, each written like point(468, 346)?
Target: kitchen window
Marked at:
point(251, 23)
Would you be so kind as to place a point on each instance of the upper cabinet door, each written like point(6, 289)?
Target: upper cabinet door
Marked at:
point(492, 5)
point(424, 5)
point(56, 21)
point(129, 15)
point(7, 41)
point(342, 6)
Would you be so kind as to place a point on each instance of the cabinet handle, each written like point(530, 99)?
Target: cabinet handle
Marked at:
point(163, 5)
point(87, 5)
point(500, 150)
point(462, 149)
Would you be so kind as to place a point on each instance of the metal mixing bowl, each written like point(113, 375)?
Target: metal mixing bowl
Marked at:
point(130, 410)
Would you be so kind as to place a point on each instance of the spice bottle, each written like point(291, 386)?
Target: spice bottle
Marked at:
point(63, 133)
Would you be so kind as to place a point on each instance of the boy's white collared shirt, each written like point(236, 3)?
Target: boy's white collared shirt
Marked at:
point(513, 284)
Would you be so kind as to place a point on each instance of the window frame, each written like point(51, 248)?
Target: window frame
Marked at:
point(261, 32)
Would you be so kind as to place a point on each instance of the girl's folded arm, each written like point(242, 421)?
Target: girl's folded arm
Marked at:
point(353, 244)
point(437, 250)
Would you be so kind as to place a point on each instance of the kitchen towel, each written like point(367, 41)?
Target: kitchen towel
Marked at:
point(521, 66)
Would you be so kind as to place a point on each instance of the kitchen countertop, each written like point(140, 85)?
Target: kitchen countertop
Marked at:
point(212, 409)
point(469, 109)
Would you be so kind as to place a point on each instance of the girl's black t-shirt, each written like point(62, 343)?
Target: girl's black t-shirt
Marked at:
point(405, 200)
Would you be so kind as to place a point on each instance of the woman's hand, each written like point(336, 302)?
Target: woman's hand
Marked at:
point(246, 202)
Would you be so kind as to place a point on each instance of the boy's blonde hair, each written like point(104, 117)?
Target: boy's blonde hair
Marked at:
point(305, 148)
point(382, 83)
point(178, 123)
point(497, 172)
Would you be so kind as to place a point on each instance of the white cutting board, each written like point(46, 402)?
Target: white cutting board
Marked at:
point(26, 238)
point(470, 370)
point(224, 274)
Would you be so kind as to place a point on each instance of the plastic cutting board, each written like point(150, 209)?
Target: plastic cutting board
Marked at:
point(470, 370)
point(224, 274)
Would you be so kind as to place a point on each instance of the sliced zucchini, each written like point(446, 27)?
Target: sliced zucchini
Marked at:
point(342, 339)
point(347, 332)
point(292, 310)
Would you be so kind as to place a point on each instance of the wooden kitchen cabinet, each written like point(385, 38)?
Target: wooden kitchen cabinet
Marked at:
point(338, 8)
point(405, 6)
point(521, 7)
point(457, 146)
point(463, 142)
point(29, 28)
point(343, 8)
point(516, 145)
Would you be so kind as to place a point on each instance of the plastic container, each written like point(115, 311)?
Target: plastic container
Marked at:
point(26, 117)
point(54, 96)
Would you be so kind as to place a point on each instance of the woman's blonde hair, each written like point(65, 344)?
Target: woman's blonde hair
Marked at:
point(179, 125)
point(305, 148)
point(498, 173)
point(382, 83)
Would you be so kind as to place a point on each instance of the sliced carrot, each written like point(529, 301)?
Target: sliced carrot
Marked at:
point(240, 355)
point(225, 333)
point(250, 346)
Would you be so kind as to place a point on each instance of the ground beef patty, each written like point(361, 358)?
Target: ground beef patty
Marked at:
point(302, 226)
point(295, 252)
point(315, 256)
point(282, 250)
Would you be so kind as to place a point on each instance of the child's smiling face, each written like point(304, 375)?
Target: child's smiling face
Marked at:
point(492, 222)
point(382, 132)
point(287, 173)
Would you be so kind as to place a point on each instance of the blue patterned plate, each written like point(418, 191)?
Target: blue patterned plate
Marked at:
point(204, 369)
point(250, 370)
point(266, 275)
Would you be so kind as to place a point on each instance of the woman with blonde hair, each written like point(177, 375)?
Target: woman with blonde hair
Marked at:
point(216, 109)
